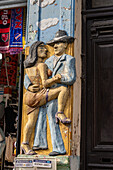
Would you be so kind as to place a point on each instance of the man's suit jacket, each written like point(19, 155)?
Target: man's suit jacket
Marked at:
point(64, 66)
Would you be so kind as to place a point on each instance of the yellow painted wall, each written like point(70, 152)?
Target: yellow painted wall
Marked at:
point(66, 131)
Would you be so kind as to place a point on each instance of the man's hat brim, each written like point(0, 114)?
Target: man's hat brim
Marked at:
point(66, 38)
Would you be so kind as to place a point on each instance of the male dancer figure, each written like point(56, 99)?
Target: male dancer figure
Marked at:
point(59, 63)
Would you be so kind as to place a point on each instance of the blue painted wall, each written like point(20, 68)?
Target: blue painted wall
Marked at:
point(58, 15)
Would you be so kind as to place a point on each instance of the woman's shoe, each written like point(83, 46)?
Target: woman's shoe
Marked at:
point(29, 151)
point(65, 120)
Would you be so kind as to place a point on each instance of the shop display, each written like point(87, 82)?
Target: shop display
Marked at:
point(5, 16)
point(16, 31)
point(9, 70)
point(12, 37)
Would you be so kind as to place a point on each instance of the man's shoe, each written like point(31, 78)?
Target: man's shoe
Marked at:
point(56, 153)
point(35, 148)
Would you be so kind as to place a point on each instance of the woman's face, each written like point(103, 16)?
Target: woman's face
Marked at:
point(42, 51)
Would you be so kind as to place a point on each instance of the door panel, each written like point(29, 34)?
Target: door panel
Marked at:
point(100, 169)
point(99, 99)
point(103, 95)
point(101, 3)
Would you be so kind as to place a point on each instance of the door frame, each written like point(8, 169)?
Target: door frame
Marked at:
point(83, 92)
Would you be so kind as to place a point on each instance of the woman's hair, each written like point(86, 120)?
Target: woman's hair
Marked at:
point(33, 56)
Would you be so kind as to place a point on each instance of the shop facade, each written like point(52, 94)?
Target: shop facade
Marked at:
point(42, 26)
point(12, 15)
point(65, 18)
point(88, 140)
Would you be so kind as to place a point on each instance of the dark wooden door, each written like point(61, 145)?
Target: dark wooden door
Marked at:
point(99, 95)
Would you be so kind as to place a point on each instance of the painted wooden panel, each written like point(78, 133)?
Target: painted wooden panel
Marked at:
point(66, 130)
point(44, 20)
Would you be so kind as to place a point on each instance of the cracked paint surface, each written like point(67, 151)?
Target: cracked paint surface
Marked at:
point(42, 3)
point(47, 19)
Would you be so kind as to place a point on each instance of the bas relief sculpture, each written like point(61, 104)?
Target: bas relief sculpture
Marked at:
point(47, 84)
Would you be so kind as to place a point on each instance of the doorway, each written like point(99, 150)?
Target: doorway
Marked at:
point(97, 89)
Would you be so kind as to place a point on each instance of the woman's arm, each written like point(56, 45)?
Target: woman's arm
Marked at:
point(42, 67)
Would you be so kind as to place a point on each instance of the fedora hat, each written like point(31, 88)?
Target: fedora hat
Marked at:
point(61, 36)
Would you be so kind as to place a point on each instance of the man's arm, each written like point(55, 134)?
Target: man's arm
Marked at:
point(42, 67)
point(69, 72)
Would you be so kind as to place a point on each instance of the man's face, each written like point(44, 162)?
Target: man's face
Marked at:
point(42, 51)
point(59, 48)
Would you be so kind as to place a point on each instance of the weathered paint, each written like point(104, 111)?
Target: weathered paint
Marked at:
point(77, 85)
point(76, 132)
point(47, 23)
point(65, 13)
point(49, 15)
point(74, 162)
point(63, 162)
point(43, 4)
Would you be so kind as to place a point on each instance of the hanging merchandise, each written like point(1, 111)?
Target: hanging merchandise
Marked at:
point(10, 117)
point(16, 31)
point(17, 78)
point(24, 26)
point(10, 148)
point(9, 70)
point(1, 94)
point(4, 30)
point(7, 92)
point(2, 142)
point(2, 104)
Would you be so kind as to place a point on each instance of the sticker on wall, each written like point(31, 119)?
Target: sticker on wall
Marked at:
point(47, 23)
point(32, 33)
point(42, 3)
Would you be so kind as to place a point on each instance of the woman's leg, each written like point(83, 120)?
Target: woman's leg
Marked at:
point(62, 98)
point(61, 93)
point(28, 129)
